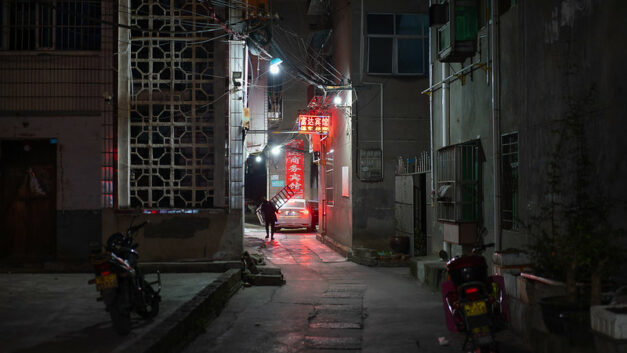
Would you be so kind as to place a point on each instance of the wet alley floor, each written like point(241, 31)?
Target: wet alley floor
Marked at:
point(330, 304)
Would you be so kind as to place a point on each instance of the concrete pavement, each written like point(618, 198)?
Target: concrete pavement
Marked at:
point(59, 313)
point(330, 304)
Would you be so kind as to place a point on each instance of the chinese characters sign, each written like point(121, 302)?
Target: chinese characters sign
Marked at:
point(314, 123)
point(295, 168)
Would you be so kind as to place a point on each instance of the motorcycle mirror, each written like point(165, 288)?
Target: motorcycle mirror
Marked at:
point(443, 255)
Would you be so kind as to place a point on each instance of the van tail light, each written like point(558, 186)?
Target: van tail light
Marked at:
point(305, 212)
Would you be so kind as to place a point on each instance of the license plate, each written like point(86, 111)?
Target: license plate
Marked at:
point(475, 308)
point(106, 282)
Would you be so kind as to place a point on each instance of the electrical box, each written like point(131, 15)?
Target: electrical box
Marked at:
point(370, 165)
point(457, 23)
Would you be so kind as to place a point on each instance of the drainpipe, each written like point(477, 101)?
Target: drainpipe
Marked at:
point(431, 141)
point(446, 115)
point(496, 128)
point(446, 100)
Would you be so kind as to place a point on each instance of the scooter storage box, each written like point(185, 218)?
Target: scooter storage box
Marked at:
point(468, 269)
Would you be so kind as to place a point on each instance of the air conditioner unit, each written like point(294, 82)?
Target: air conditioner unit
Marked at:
point(457, 23)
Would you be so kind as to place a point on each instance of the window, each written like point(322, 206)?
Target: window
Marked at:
point(329, 175)
point(509, 181)
point(398, 44)
point(50, 25)
point(459, 187)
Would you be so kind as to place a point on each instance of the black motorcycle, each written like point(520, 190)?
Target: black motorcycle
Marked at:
point(121, 284)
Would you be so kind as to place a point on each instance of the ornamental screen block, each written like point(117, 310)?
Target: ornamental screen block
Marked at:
point(172, 119)
point(295, 167)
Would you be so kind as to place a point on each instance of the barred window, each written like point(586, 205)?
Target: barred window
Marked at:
point(171, 140)
point(509, 181)
point(329, 178)
point(50, 25)
point(459, 182)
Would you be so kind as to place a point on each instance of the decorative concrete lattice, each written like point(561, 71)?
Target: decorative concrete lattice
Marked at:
point(171, 111)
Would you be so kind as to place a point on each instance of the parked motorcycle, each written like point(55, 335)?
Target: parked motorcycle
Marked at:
point(120, 282)
point(474, 303)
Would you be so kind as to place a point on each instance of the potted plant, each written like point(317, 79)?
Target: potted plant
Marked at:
point(573, 241)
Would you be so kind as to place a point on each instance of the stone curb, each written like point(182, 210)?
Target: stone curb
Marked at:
point(189, 267)
point(334, 244)
point(188, 321)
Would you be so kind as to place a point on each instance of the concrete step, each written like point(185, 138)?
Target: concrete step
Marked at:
point(430, 270)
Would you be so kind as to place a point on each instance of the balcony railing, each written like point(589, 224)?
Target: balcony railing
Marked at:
point(420, 163)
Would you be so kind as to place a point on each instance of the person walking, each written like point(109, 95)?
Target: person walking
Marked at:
point(269, 211)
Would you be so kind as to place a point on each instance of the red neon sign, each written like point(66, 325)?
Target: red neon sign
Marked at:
point(295, 168)
point(308, 124)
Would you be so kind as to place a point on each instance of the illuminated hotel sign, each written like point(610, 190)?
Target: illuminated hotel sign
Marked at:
point(311, 124)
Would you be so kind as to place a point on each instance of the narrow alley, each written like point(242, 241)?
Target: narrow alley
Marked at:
point(330, 304)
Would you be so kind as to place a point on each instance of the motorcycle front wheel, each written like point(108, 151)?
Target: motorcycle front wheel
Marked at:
point(120, 317)
point(151, 299)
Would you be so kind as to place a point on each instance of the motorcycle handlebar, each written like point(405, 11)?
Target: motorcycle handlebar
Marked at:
point(133, 229)
point(480, 249)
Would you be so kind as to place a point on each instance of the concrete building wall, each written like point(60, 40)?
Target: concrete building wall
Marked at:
point(212, 233)
point(405, 126)
point(66, 95)
point(552, 53)
point(208, 235)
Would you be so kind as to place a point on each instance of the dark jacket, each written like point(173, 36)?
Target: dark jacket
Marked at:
point(268, 210)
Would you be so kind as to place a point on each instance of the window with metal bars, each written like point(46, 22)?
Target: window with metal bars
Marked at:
point(509, 181)
point(329, 175)
point(50, 25)
point(459, 182)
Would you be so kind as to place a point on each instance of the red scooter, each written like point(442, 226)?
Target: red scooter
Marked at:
point(474, 303)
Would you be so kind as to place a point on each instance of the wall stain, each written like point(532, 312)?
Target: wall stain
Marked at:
point(179, 228)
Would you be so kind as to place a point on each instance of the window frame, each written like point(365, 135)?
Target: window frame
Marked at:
point(329, 175)
point(510, 186)
point(424, 38)
point(10, 44)
point(459, 169)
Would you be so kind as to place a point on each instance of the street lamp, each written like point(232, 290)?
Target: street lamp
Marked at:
point(274, 65)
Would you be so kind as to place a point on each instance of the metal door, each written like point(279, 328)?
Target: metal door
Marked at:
point(27, 200)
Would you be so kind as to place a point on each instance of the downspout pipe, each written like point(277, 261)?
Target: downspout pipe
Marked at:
point(431, 141)
point(496, 127)
point(446, 100)
point(446, 114)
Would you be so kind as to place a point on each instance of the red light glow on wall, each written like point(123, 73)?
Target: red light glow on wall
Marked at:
point(311, 124)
